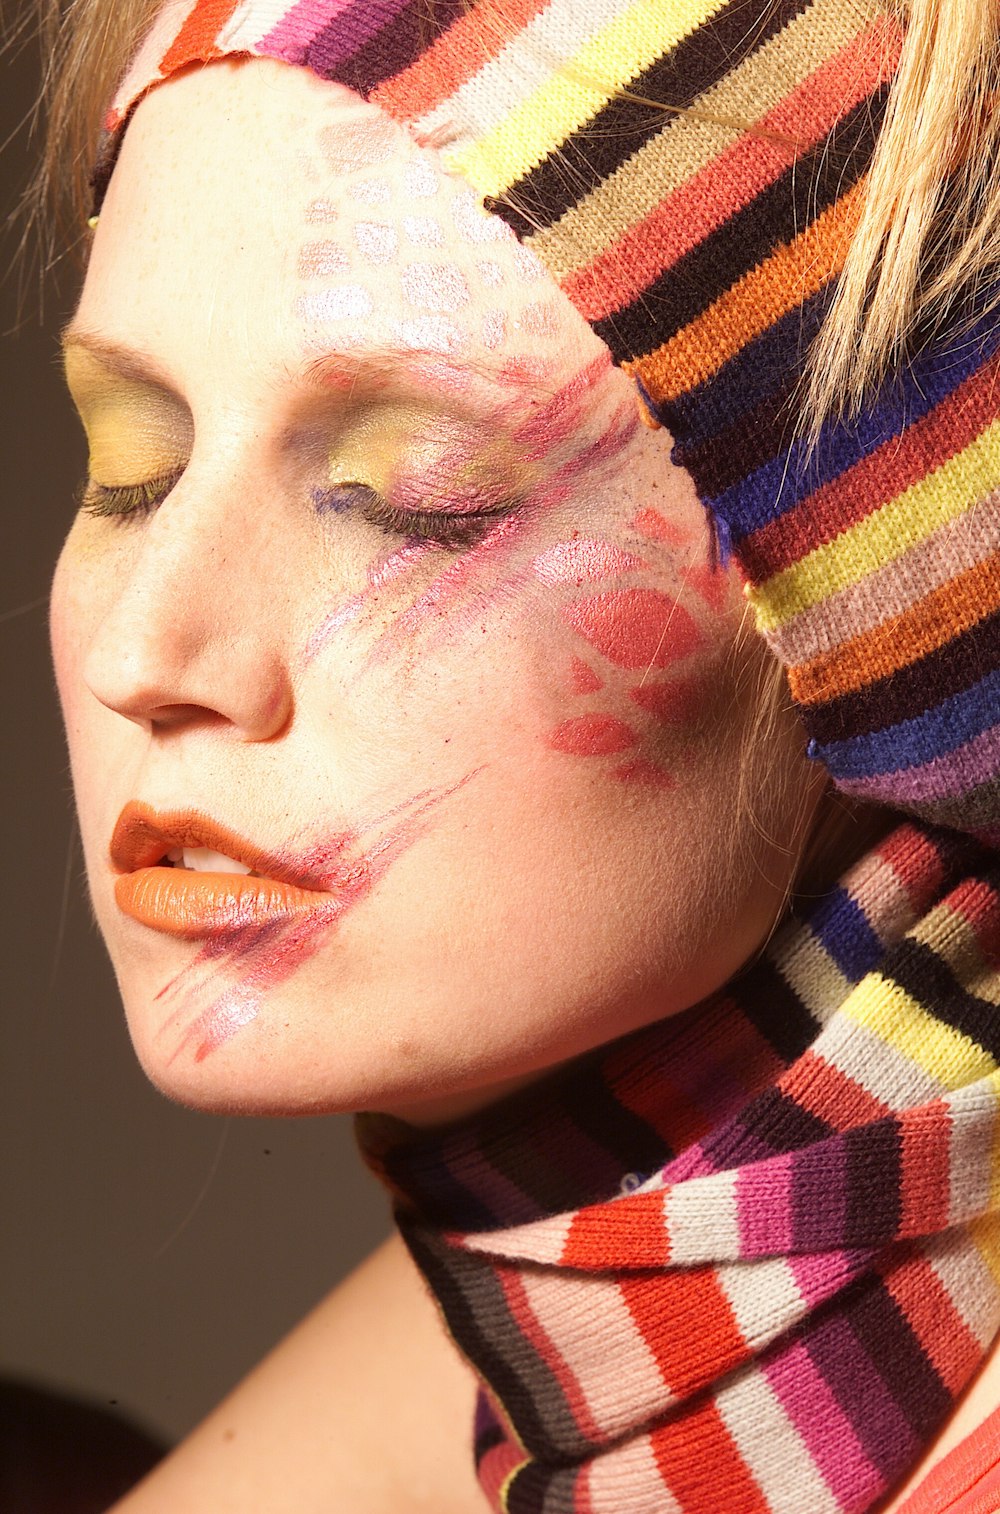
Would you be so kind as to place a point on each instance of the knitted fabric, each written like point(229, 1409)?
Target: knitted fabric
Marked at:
point(705, 256)
point(745, 1259)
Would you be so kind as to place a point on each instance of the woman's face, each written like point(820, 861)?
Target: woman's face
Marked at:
point(382, 590)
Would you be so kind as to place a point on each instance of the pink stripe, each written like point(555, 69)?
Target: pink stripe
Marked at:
point(290, 39)
point(819, 1277)
point(823, 1426)
point(764, 1207)
point(701, 205)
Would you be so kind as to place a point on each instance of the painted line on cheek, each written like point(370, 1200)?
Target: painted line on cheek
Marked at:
point(592, 736)
point(635, 628)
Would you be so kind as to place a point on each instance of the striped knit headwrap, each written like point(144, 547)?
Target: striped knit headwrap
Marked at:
point(706, 256)
point(742, 1261)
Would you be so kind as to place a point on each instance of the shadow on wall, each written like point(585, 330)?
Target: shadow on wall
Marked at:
point(150, 1255)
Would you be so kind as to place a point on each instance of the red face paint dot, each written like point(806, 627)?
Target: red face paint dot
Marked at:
point(711, 583)
point(635, 628)
point(674, 703)
point(584, 680)
point(650, 523)
point(592, 735)
point(641, 771)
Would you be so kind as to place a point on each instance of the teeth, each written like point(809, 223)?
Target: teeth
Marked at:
point(202, 860)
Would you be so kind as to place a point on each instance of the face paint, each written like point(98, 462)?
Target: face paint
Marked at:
point(636, 628)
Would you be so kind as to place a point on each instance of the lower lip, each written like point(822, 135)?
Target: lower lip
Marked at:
point(182, 902)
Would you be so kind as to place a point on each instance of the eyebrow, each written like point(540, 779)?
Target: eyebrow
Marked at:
point(404, 369)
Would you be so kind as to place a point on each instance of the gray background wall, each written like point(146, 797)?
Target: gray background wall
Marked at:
point(149, 1255)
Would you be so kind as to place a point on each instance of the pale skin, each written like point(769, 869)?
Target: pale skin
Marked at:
point(263, 645)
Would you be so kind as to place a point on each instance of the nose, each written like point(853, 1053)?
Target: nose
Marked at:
point(193, 631)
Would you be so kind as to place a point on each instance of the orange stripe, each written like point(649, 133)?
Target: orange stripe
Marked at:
point(940, 1330)
point(789, 277)
point(594, 1244)
point(455, 57)
point(699, 1444)
point(825, 1091)
point(196, 39)
point(940, 617)
point(924, 1171)
point(653, 245)
point(688, 1324)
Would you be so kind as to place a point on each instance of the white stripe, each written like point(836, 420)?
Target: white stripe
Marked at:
point(968, 1281)
point(527, 63)
point(702, 1219)
point(589, 1324)
point(542, 1241)
point(876, 1066)
point(970, 1149)
point(764, 1298)
point(772, 1447)
point(812, 974)
point(145, 66)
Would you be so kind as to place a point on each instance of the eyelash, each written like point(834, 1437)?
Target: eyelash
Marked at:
point(447, 530)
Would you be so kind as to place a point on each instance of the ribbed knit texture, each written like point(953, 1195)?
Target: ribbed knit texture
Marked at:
point(705, 257)
point(743, 1261)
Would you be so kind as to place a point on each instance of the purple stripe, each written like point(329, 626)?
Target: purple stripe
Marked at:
point(824, 1427)
point(351, 30)
point(850, 1373)
point(294, 34)
point(819, 1197)
point(947, 777)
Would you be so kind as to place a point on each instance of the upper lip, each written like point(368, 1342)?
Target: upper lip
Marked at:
point(142, 837)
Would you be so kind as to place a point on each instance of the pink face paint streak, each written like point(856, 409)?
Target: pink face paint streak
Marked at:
point(379, 574)
point(264, 956)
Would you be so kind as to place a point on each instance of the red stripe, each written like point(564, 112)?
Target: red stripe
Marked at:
point(730, 181)
point(978, 904)
point(195, 42)
point(702, 1466)
point(824, 1090)
point(455, 57)
point(916, 863)
point(881, 476)
point(688, 1324)
point(634, 1228)
point(944, 1337)
point(925, 1172)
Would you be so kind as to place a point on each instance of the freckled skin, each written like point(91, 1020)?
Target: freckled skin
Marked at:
point(260, 650)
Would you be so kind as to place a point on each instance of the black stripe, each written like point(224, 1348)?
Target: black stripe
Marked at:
point(634, 1144)
point(928, 979)
point(620, 128)
point(779, 214)
point(394, 47)
point(776, 1012)
point(874, 1185)
point(481, 1326)
point(882, 1329)
point(910, 691)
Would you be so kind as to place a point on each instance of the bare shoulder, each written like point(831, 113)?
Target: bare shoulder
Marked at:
point(365, 1406)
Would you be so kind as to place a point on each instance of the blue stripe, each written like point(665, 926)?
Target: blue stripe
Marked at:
point(842, 929)
point(912, 743)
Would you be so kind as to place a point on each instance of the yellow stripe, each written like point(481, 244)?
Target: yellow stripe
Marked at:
point(578, 87)
point(985, 1235)
point(947, 1056)
point(901, 523)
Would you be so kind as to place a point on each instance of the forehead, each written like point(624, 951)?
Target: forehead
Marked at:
point(281, 214)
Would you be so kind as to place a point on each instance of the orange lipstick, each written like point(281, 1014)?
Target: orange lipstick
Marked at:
point(181, 901)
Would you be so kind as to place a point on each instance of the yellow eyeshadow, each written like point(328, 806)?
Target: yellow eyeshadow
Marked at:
point(135, 431)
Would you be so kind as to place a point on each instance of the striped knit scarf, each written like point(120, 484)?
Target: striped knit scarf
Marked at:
point(743, 1261)
point(705, 255)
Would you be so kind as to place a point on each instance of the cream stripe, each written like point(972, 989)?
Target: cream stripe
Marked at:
point(772, 1447)
point(248, 26)
point(588, 1323)
point(894, 587)
point(543, 1241)
point(971, 1148)
point(702, 1219)
point(885, 535)
point(145, 66)
point(764, 1297)
point(812, 974)
point(951, 936)
point(633, 1467)
point(903, 1023)
point(577, 80)
point(686, 146)
point(961, 1268)
point(878, 1068)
